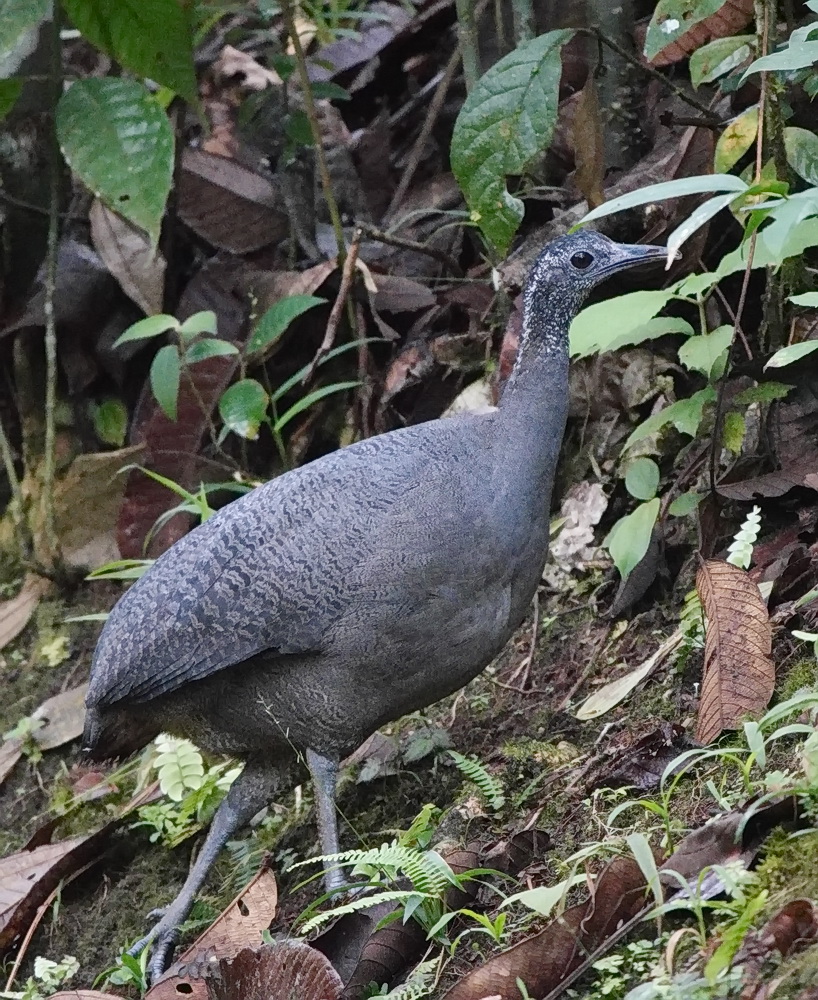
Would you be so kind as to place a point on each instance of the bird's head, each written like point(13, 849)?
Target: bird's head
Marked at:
point(570, 266)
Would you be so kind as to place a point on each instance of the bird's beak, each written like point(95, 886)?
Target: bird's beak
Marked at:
point(625, 255)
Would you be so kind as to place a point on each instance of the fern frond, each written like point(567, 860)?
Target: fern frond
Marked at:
point(179, 766)
point(419, 826)
point(360, 903)
point(489, 787)
point(419, 984)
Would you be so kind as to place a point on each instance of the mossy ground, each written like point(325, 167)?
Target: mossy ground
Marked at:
point(523, 737)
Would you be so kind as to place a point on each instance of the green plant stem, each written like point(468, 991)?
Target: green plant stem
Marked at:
point(16, 506)
point(49, 456)
point(312, 117)
point(468, 41)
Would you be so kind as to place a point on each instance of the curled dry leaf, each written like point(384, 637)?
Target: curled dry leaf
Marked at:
point(543, 961)
point(739, 674)
point(728, 20)
point(239, 926)
point(128, 254)
point(16, 613)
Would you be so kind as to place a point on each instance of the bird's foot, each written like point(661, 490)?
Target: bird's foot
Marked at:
point(161, 940)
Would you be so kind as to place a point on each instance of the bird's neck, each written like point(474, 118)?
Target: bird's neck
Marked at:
point(534, 403)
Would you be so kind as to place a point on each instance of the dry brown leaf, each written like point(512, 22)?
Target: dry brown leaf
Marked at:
point(728, 20)
point(589, 145)
point(127, 253)
point(739, 675)
point(239, 927)
point(233, 62)
point(16, 613)
point(232, 207)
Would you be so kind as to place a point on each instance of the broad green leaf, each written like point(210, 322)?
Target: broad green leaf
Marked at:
point(698, 217)
point(118, 141)
point(735, 140)
point(505, 121)
point(278, 317)
point(604, 325)
point(787, 355)
point(10, 91)
point(628, 540)
point(686, 503)
point(308, 400)
point(165, 371)
point(680, 188)
point(544, 898)
point(16, 18)
point(208, 347)
point(674, 18)
point(806, 299)
point(802, 153)
point(701, 352)
point(652, 330)
point(243, 407)
point(719, 57)
point(111, 421)
point(684, 414)
point(797, 55)
point(785, 219)
point(151, 326)
point(200, 322)
point(151, 38)
point(642, 478)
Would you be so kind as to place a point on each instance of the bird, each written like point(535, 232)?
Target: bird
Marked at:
point(348, 592)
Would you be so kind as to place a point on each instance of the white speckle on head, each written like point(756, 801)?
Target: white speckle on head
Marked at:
point(670, 25)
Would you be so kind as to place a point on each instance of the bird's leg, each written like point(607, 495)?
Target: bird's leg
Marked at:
point(250, 792)
point(324, 773)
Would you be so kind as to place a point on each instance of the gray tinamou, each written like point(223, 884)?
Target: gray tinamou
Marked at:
point(351, 591)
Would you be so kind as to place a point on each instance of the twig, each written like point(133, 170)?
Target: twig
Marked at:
point(523, 670)
point(47, 499)
point(16, 506)
point(467, 36)
point(312, 117)
point(629, 57)
point(429, 123)
point(340, 301)
point(403, 243)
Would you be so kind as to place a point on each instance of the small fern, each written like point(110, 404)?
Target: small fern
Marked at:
point(489, 787)
point(422, 828)
point(179, 766)
point(361, 903)
point(740, 551)
point(420, 984)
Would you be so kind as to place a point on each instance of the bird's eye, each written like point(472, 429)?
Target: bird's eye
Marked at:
point(582, 259)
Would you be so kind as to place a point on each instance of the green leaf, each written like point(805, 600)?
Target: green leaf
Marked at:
point(16, 18)
point(165, 371)
point(243, 407)
point(278, 317)
point(10, 91)
point(327, 91)
point(680, 188)
point(118, 141)
point(308, 400)
point(764, 392)
point(642, 478)
point(732, 432)
point(686, 503)
point(179, 766)
point(805, 299)
point(616, 322)
point(802, 153)
point(787, 355)
point(151, 326)
point(505, 121)
point(684, 414)
point(111, 421)
point(628, 540)
point(653, 329)
point(797, 55)
point(200, 322)
point(699, 217)
point(151, 38)
point(544, 898)
point(674, 18)
point(719, 57)
point(700, 353)
point(209, 347)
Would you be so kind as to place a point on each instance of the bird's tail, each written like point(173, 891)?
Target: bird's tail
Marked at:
point(92, 733)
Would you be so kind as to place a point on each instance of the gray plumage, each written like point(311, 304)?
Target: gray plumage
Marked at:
point(368, 584)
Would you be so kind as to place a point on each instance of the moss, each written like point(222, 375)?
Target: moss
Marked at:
point(789, 869)
point(801, 676)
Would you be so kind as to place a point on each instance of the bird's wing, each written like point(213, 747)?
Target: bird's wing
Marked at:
point(272, 571)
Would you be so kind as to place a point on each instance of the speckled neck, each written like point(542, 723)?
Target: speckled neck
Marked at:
point(534, 402)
